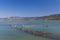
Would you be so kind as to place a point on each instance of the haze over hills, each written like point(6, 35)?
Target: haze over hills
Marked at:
point(49, 17)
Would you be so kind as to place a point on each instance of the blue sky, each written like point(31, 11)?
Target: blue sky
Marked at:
point(29, 8)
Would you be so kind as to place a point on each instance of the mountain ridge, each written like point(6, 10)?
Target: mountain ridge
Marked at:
point(49, 17)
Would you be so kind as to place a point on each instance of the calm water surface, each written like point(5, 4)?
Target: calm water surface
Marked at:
point(8, 33)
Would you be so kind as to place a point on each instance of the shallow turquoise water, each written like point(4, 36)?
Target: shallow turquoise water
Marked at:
point(7, 33)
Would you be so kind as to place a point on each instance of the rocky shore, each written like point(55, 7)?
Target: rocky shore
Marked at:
point(42, 34)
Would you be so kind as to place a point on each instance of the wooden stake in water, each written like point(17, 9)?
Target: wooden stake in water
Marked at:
point(22, 28)
point(46, 24)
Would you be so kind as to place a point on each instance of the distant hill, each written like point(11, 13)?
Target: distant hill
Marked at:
point(50, 17)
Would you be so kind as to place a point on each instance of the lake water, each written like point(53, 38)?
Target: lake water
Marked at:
point(8, 33)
